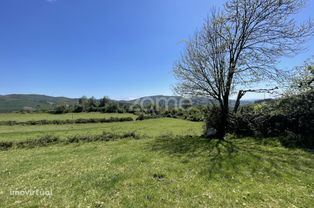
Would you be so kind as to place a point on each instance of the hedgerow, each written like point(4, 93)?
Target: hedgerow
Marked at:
point(68, 121)
point(52, 140)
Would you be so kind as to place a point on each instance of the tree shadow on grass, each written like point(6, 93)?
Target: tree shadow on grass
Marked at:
point(211, 154)
point(231, 157)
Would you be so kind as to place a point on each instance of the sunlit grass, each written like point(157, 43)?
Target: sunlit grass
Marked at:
point(160, 172)
point(164, 168)
point(152, 127)
point(70, 116)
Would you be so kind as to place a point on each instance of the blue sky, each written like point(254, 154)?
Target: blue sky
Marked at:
point(119, 48)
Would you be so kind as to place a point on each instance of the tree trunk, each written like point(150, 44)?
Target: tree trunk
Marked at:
point(224, 120)
point(216, 125)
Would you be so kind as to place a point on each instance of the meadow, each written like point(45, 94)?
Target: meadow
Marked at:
point(168, 165)
point(47, 116)
point(151, 127)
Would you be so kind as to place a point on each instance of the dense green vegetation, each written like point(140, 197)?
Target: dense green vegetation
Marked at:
point(69, 121)
point(291, 118)
point(52, 140)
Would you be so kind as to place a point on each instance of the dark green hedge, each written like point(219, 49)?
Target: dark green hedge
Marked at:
point(68, 121)
point(290, 118)
point(51, 140)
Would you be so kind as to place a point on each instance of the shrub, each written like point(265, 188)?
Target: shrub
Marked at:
point(51, 140)
point(291, 118)
point(240, 124)
point(146, 116)
point(77, 109)
point(212, 119)
point(140, 117)
point(8, 123)
point(43, 141)
point(105, 136)
point(61, 122)
point(5, 145)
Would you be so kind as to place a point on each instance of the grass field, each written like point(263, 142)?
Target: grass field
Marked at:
point(155, 170)
point(152, 127)
point(48, 116)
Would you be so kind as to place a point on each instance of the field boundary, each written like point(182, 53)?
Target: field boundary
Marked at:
point(49, 140)
point(67, 121)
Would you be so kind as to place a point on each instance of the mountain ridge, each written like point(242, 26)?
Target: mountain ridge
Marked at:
point(18, 102)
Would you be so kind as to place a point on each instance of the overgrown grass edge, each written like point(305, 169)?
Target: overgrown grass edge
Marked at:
point(52, 140)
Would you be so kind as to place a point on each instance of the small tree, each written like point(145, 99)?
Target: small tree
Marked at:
point(83, 101)
point(238, 47)
point(92, 102)
point(104, 101)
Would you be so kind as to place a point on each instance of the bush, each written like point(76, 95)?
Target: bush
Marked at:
point(212, 119)
point(8, 123)
point(51, 140)
point(41, 142)
point(5, 145)
point(105, 136)
point(140, 117)
point(61, 122)
point(240, 125)
point(60, 109)
point(77, 109)
point(290, 118)
point(146, 116)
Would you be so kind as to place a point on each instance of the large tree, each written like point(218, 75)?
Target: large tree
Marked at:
point(238, 47)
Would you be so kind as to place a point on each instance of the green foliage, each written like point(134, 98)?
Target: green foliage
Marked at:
point(5, 145)
point(213, 118)
point(104, 105)
point(302, 80)
point(105, 136)
point(22, 117)
point(40, 142)
point(195, 113)
point(143, 116)
point(52, 140)
point(292, 118)
point(62, 122)
point(77, 108)
point(60, 109)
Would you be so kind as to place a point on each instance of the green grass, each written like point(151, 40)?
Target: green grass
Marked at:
point(175, 170)
point(152, 127)
point(47, 116)
point(159, 172)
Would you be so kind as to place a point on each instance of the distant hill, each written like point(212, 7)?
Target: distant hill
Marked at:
point(18, 102)
point(195, 100)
